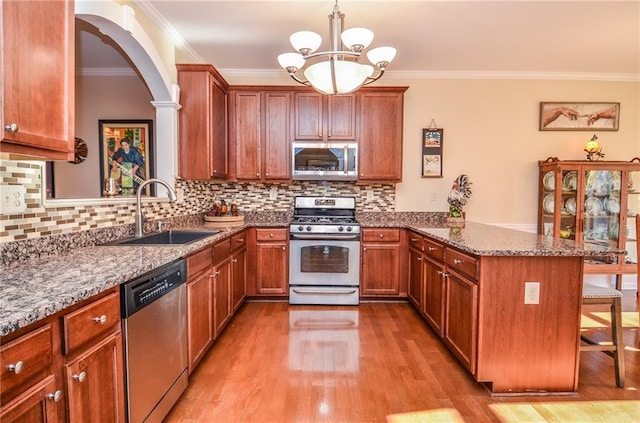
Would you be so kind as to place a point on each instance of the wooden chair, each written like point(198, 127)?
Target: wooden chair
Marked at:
point(613, 298)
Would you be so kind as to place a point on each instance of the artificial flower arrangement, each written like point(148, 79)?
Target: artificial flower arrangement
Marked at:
point(458, 196)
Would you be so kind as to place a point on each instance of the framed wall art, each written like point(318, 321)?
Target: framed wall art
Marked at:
point(579, 116)
point(125, 155)
point(432, 152)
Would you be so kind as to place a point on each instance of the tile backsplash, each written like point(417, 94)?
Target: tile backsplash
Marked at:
point(195, 197)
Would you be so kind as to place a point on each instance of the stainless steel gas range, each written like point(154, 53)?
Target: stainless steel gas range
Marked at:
point(325, 252)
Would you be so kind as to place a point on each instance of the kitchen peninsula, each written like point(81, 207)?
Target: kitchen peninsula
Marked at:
point(509, 346)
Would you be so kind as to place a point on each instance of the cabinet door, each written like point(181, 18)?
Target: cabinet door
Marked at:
point(247, 135)
point(416, 279)
point(37, 78)
point(272, 262)
point(341, 117)
point(277, 130)
point(219, 137)
point(433, 307)
point(37, 404)
point(95, 383)
point(308, 116)
point(461, 319)
point(221, 295)
point(200, 321)
point(381, 137)
point(380, 269)
point(238, 278)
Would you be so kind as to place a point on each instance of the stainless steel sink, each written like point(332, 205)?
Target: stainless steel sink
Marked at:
point(167, 238)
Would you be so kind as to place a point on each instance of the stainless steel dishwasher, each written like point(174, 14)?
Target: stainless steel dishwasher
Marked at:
point(154, 321)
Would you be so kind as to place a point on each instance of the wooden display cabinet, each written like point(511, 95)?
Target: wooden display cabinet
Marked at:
point(592, 202)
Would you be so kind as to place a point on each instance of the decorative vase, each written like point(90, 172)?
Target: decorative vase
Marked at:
point(456, 221)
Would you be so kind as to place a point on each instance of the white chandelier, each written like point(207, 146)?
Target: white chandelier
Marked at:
point(336, 71)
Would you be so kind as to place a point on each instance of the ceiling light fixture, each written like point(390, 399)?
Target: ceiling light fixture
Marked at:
point(336, 71)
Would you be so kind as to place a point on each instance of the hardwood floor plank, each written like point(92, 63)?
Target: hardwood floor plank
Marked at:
point(379, 363)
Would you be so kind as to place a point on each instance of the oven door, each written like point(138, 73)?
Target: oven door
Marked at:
point(324, 262)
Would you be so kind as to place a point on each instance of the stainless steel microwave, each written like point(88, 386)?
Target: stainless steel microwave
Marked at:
point(325, 161)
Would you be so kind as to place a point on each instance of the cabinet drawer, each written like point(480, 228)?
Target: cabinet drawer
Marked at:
point(271, 234)
point(31, 354)
point(239, 240)
point(91, 321)
point(199, 261)
point(381, 235)
point(434, 249)
point(416, 241)
point(462, 263)
point(221, 250)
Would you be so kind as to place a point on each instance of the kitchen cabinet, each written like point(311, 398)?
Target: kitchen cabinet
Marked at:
point(381, 121)
point(222, 308)
point(200, 326)
point(203, 138)
point(269, 260)
point(238, 270)
point(415, 291)
point(37, 89)
point(93, 362)
point(380, 262)
point(261, 133)
point(38, 404)
point(593, 202)
point(324, 118)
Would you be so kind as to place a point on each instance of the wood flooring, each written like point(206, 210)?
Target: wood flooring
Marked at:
point(379, 362)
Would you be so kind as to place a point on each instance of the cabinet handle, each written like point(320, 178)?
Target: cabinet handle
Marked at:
point(217, 273)
point(381, 236)
point(102, 319)
point(414, 239)
point(12, 127)
point(440, 272)
point(458, 261)
point(80, 377)
point(234, 260)
point(56, 396)
point(431, 248)
point(240, 240)
point(258, 175)
point(16, 368)
point(419, 258)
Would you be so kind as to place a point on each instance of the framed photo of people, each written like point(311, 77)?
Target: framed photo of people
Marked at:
point(432, 152)
point(125, 156)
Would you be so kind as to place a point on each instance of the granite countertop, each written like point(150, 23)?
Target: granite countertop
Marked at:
point(44, 286)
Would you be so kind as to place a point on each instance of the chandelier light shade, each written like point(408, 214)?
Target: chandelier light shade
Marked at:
point(336, 71)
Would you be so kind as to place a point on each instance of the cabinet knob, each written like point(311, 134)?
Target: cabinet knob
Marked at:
point(240, 240)
point(362, 175)
point(12, 127)
point(419, 258)
point(56, 396)
point(364, 248)
point(102, 319)
point(266, 174)
point(431, 248)
point(217, 273)
point(284, 248)
point(381, 236)
point(16, 368)
point(258, 175)
point(414, 239)
point(270, 235)
point(80, 377)
point(234, 260)
point(458, 261)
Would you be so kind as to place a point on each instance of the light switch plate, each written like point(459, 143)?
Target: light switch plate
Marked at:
point(12, 199)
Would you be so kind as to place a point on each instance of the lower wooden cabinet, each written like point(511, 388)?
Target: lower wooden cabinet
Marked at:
point(415, 292)
point(95, 383)
point(271, 252)
point(200, 312)
point(238, 278)
point(38, 404)
point(380, 262)
point(222, 308)
point(461, 319)
point(433, 307)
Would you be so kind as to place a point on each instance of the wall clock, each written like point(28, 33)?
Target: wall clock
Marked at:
point(80, 151)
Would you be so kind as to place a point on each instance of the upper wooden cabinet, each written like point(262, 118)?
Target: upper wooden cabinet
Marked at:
point(381, 120)
point(37, 74)
point(203, 141)
point(324, 118)
point(261, 135)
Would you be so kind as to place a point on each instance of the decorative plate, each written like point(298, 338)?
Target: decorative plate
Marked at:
point(593, 205)
point(549, 180)
point(612, 205)
point(570, 205)
point(570, 181)
point(548, 203)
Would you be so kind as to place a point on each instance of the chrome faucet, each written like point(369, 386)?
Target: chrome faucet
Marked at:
point(139, 217)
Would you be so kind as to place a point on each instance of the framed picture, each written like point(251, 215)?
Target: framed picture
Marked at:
point(432, 152)
point(579, 116)
point(125, 155)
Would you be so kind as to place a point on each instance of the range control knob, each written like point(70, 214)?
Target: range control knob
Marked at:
point(308, 228)
point(300, 228)
point(349, 228)
point(341, 228)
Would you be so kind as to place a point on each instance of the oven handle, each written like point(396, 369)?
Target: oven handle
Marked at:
point(325, 237)
point(324, 292)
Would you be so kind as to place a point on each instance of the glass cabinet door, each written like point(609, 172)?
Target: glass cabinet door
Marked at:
point(601, 222)
point(568, 212)
point(633, 209)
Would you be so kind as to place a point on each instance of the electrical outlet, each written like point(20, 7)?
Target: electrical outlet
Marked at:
point(12, 199)
point(434, 196)
point(369, 195)
point(273, 194)
point(532, 292)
